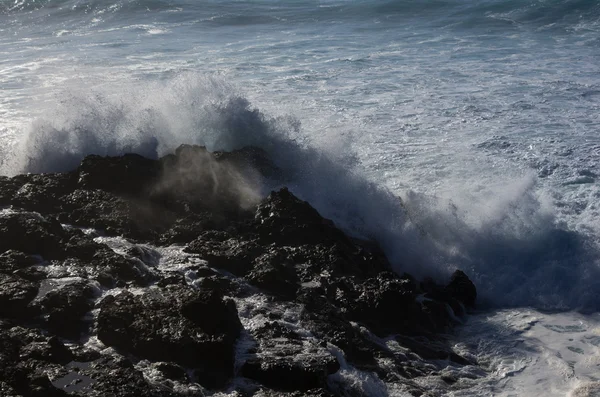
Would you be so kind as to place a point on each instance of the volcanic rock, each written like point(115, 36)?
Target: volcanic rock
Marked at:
point(176, 324)
point(259, 289)
point(63, 308)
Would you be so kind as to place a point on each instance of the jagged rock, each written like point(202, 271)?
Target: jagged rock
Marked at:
point(385, 304)
point(15, 295)
point(12, 261)
point(109, 376)
point(462, 289)
point(150, 257)
point(274, 273)
point(121, 269)
point(430, 350)
point(176, 324)
point(42, 193)
point(286, 220)
point(229, 286)
point(63, 308)
point(187, 229)
point(31, 233)
point(130, 174)
point(7, 391)
point(174, 278)
point(325, 321)
point(82, 247)
point(285, 362)
point(339, 293)
point(172, 371)
point(135, 218)
point(25, 358)
point(235, 256)
point(291, 373)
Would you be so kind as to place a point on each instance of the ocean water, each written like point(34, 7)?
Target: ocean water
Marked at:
point(457, 133)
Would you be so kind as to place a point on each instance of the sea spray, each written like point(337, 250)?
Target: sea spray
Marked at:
point(510, 244)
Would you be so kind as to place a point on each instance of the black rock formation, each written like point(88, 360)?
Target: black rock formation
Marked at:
point(177, 277)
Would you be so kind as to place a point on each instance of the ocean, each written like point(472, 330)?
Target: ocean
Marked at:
point(456, 133)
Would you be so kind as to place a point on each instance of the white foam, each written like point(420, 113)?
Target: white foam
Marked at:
point(530, 353)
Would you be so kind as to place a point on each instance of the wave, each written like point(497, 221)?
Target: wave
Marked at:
point(461, 13)
point(511, 245)
point(83, 6)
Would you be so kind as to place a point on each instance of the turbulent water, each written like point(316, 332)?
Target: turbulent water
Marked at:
point(457, 133)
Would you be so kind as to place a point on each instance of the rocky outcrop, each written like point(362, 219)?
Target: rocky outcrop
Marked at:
point(196, 329)
point(177, 277)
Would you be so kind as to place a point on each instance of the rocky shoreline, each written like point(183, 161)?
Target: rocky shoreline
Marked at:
point(175, 277)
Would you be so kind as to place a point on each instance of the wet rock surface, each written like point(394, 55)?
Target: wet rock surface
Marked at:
point(178, 277)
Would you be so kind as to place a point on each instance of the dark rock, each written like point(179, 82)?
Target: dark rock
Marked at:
point(462, 289)
point(82, 247)
point(341, 289)
point(130, 174)
point(284, 219)
point(177, 324)
point(30, 274)
point(8, 188)
point(437, 317)
point(115, 215)
point(431, 350)
point(64, 307)
point(290, 374)
point(174, 278)
point(274, 273)
point(42, 193)
point(185, 230)
point(40, 386)
point(25, 357)
point(15, 295)
point(122, 268)
point(232, 255)
point(263, 392)
point(29, 232)
point(110, 376)
point(11, 261)
point(223, 184)
point(386, 303)
point(274, 330)
point(326, 322)
point(225, 285)
point(283, 361)
point(147, 255)
point(7, 391)
point(172, 371)
point(50, 350)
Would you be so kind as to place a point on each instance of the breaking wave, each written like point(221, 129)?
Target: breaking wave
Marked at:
point(511, 245)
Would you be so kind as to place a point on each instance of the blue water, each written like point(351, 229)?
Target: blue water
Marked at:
point(457, 133)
